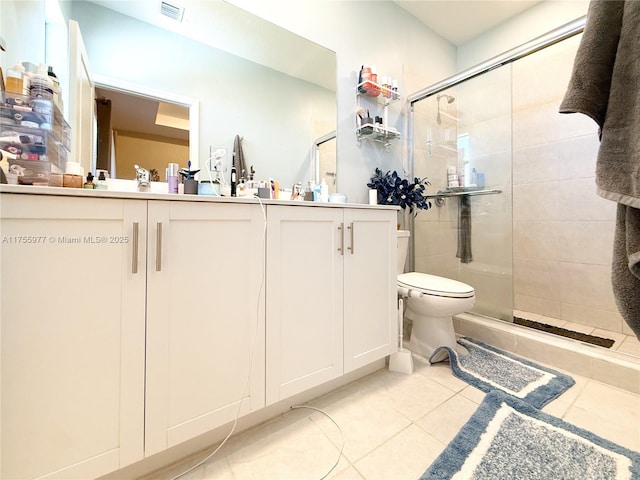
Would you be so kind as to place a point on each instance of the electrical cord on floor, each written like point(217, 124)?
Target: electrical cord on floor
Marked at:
point(253, 344)
point(339, 429)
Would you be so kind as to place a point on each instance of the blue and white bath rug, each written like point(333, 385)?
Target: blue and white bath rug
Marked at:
point(507, 439)
point(488, 368)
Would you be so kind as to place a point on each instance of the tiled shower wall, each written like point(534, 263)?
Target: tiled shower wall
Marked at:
point(544, 244)
point(562, 231)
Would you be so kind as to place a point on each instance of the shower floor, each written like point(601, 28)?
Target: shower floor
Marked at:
point(622, 343)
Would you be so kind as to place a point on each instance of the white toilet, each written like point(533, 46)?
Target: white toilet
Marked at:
point(430, 302)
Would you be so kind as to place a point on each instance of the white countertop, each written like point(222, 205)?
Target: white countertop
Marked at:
point(80, 192)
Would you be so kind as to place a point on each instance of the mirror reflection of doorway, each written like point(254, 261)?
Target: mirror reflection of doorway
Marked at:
point(325, 164)
point(136, 129)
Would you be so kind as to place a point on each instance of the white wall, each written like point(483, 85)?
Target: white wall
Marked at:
point(520, 29)
point(21, 26)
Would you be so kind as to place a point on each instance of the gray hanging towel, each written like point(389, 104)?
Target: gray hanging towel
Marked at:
point(238, 158)
point(625, 274)
point(605, 85)
point(464, 230)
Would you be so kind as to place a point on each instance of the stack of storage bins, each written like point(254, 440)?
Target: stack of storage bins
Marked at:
point(35, 132)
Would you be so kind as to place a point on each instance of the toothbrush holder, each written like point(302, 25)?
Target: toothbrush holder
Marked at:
point(190, 186)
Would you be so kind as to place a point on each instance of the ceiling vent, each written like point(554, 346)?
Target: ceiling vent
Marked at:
point(174, 12)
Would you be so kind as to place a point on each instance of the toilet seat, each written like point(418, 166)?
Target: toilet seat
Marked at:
point(434, 285)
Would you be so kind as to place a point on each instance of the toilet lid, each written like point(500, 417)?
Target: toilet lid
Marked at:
point(434, 285)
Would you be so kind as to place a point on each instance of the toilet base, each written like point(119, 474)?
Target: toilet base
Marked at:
point(429, 333)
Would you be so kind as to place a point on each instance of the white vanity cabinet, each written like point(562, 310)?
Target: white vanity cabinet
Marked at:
point(72, 335)
point(331, 294)
point(129, 325)
point(304, 299)
point(370, 272)
point(205, 318)
point(78, 285)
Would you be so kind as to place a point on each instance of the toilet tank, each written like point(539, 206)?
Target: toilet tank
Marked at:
point(403, 247)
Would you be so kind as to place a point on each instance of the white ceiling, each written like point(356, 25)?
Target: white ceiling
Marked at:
point(459, 21)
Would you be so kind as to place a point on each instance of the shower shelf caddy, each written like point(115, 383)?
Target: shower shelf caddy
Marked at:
point(376, 131)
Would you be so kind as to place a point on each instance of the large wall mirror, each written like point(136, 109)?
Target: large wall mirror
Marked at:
point(250, 78)
point(138, 126)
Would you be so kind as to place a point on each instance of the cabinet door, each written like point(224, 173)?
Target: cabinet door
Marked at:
point(370, 324)
point(72, 339)
point(304, 299)
point(205, 318)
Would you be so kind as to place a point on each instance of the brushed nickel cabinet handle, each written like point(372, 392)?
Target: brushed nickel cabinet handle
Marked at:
point(159, 246)
point(134, 260)
point(341, 248)
point(352, 246)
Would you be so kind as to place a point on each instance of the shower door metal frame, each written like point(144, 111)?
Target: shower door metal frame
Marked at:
point(557, 35)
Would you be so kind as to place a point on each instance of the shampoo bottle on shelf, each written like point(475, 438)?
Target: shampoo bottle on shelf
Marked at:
point(365, 79)
point(452, 177)
point(386, 83)
point(374, 89)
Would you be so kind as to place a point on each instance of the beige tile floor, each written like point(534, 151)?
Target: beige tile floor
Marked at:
point(628, 344)
point(394, 426)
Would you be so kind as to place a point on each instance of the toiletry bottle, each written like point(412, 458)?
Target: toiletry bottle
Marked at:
point(394, 87)
point(57, 99)
point(374, 89)
point(365, 76)
point(452, 177)
point(386, 84)
point(14, 79)
point(324, 191)
point(172, 177)
point(41, 84)
point(89, 183)
point(233, 180)
point(29, 70)
point(101, 184)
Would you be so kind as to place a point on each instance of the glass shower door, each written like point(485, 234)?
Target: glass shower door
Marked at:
point(462, 142)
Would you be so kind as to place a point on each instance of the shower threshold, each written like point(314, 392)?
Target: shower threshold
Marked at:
point(608, 366)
